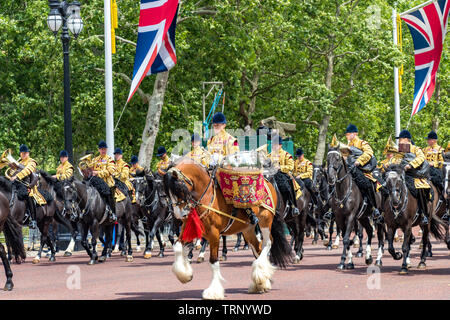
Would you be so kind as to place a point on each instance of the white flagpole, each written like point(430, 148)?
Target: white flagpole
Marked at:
point(108, 80)
point(417, 7)
point(396, 89)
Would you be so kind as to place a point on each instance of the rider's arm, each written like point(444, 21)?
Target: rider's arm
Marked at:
point(367, 153)
point(66, 174)
point(29, 168)
point(420, 158)
point(288, 163)
point(309, 171)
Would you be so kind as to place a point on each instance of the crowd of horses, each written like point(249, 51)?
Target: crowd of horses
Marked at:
point(167, 200)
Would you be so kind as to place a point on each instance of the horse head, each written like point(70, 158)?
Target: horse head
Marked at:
point(395, 181)
point(334, 164)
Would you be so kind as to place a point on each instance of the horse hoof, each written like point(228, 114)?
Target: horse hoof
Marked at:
point(161, 255)
point(350, 266)
point(429, 254)
point(91, 262)
point(369, 261)
point(246, 247)
point(235, 249)
point(147, 255)
point(408, 266)
point(129, 259)
point(335, 246)
point(329, 248)
point(379, 263)
point(67, 254)
point(223, 258)
point(8, 286)
point(138, 249)
point(52, 259)
point(341, 267)
point(403, 271)
point(325, 243)
point(200, 259)
point(123, 253)
point(36, 261)
point(422, 266)
point(398, 256)
point(314, 242)
point(102, 259)
point(359, 254)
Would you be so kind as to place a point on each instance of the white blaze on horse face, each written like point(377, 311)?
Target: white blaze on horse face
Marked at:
point(176, 210)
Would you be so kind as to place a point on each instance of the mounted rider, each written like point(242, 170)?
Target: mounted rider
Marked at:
point(303, 169)
point(283, 160)
point(434, 154)
point(105, 169)
point(65, 169)
point(164, 163)
point(123, 173)
point(406, 147)
point(134, 161)
point(198, 153)
point(222, 144)
point(388, 152)
point(368, 191)
point(25, 175)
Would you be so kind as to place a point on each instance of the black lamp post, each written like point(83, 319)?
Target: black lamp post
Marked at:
point(66, 15)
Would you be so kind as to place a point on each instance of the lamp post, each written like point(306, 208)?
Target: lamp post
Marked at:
point(66, 15)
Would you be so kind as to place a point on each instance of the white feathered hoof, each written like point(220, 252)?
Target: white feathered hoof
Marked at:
point(67, 254)
point(36, 261)
point(138, 249)
point(214, 293)
point(260, 288)
point(262, 272)
point(129, 259)
point(297, 259)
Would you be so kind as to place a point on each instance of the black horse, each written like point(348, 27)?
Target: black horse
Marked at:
point(13, 235)
point(17, 194)
point(56, 189)
point(401, 211)
point(91, 207)
point(348, 205)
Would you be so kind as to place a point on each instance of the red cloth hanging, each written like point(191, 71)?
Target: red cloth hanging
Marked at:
point(194, 227)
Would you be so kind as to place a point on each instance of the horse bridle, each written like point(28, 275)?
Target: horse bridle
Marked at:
point(403, 192)
point(338, 181)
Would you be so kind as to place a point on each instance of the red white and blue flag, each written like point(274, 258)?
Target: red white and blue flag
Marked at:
point(155, 51)
point(428, 27)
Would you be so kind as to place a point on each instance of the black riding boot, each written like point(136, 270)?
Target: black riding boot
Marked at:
point(112, 205)
point(251, 215)
point(423, 198)
point(32, 209)
point(295, 211)
point(377, 217)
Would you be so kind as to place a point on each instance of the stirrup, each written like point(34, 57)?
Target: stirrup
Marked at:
point(425, 220)
point(253, 218)
point(295, 211)
point(377, 216)
point(32, 224)
point(328, 215)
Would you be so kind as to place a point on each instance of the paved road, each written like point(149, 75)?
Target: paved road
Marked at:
point(315, 277)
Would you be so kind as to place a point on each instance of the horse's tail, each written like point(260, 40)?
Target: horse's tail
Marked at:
point(437, 228)
point(14, 238)
point(280, 251)
point(135, 227)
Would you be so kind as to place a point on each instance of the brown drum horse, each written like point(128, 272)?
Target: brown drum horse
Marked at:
point(190, 186)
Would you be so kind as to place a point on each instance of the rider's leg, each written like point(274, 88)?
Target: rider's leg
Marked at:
point(32, 209)
point(423, 198)
point(112, 204)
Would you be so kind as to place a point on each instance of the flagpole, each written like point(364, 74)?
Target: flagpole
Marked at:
point(108, 79)
point(396, 88)
point(417, 7)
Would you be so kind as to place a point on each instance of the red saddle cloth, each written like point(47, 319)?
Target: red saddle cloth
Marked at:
point(242, 188)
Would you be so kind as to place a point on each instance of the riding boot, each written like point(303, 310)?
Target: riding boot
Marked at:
point(377, 217)
point(328, 215)
point(424, 196)
point(251, 215)
point(295, 211)
point(32, 209)
point(112, 205)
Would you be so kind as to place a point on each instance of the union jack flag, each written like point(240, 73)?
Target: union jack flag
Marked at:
point(155, 51)
point(428, 27)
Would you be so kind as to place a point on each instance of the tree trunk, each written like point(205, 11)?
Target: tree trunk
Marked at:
point(152, 121)
point(323, 127)
point(322, 140)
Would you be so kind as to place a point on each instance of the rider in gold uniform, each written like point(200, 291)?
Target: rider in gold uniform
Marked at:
point(25, 176)
point(135, 166)
point(65, 169)
point(164, 163)
point(221, 144)
point(198, 154)
point(434, 154)
point(123, 173)
point(303, 169)
point(105, 169)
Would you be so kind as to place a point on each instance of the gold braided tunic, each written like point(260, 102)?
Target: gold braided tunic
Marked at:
point(303, 168)
point(434, 156)
point(106, 171)
point(198, 154)
point(133, 169)
point(283, 160)
point(365, 157)
point(163, 164)
point(123, 174)
point(222, 144)
point(420, 158)
point(383, 164)
point(64, 171)
point(30, 167)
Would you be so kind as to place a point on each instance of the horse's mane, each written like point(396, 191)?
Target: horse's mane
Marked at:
point(175, 186)
point(47, 177)
point(5, 184)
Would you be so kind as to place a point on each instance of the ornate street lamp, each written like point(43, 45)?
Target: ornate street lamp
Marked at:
point(66, 15)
